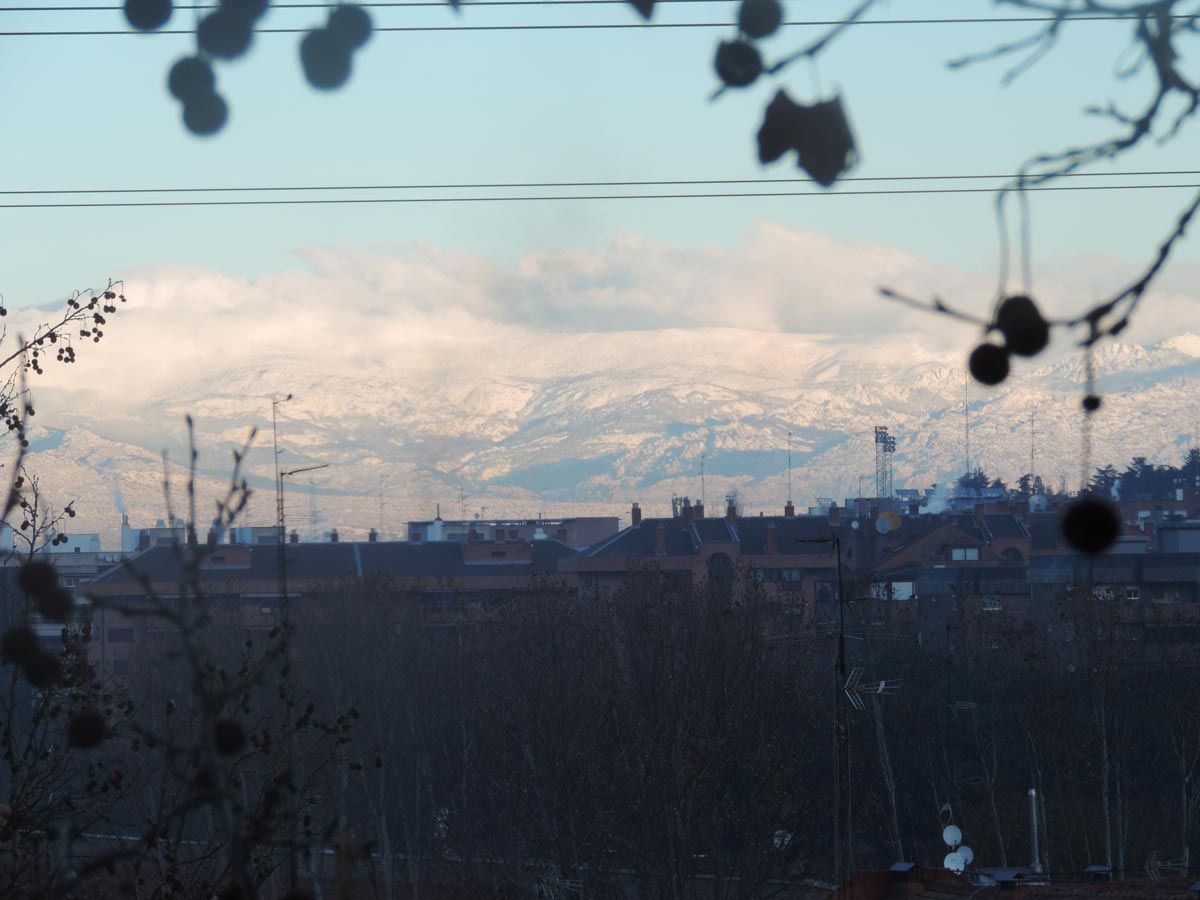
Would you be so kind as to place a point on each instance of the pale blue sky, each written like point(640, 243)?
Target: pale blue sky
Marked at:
point(89, 112)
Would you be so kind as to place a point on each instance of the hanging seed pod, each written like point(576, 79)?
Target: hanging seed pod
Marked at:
point(1090, 526)
point(738, 63)
point(988, 364)
point(147, 15)
point(826, 143)
point(760, 18)
point(1026, 332)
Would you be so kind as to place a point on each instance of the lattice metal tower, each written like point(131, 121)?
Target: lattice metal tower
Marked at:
point(885, 446)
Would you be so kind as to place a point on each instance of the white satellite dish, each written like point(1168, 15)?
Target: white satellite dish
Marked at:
point(954, 862)
point(966, 853)
point(952, 835)
point(883, 526)
point(854, 525)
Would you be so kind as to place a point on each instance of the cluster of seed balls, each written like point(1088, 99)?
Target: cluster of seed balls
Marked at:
point(1090, 525)
point(738, 62)
point(227, 33)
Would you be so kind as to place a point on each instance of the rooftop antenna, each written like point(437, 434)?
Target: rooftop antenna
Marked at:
point(312, 509)
point(967, 421)
point(1032, 444)
point(381, 477)
point(702, 458)
point(789, 466)
point(462, 504)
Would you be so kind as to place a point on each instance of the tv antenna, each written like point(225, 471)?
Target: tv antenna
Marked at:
point(967, 422)
point(855, 688)
point(702, 459)
point(789, 466)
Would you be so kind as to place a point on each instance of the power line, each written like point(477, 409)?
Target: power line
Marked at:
point(593, 26)
point(571, 197)
point(521, 185)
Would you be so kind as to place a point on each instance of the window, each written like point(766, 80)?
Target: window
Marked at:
point(499, 554)
point(903, 590)
point(789, 575)
point(120, 667)
point(512, 534)
point(964, 554)
point(120, 635)
point(1133, 592)
point(415, 537)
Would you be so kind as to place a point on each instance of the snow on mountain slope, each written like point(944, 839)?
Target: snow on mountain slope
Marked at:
point(587, 422)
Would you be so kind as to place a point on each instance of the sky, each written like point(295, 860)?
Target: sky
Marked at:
point(85, 112)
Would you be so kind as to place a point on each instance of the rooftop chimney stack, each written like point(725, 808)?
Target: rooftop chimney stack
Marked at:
point(333, 536)
point(731, 511)
point(835, 515)
point(772, 540)
point(789, 510)
point(372, 536)
point(687, 513)
point(660, 541)
point(699, 511)
point(294, 537)
point(635, 515)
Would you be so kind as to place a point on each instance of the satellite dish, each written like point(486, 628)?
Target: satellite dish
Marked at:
point(952, 835)
point(854, 524)
point(966, 853)
point(954, 862)
point(882, 525)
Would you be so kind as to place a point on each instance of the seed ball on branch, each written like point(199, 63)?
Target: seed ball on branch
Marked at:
point(247, 9)
point(988, 364)
point(228, 736)
point(760, 18)
point(43, 669)
point(18, 644)
point(225, 33)
point(738, 63)
point(86, 729)
point(37, 578)
point(205, 114)
point(190, 78)
point(325, 59)
point(1091, 403)
point(56, 604)
point(1026, 332)
point(350, 24)
point(1090, 526)
point(147, 15)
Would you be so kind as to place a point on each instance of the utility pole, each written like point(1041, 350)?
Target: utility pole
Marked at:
point(842, 835)
point(293, 869)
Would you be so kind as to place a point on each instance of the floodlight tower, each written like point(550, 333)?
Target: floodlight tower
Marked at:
point(885, 446)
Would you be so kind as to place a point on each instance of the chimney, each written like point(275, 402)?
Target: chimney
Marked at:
point(699, 511)
point(190, 535)
point(772, 540)
point(914, 508)
point(372, 536)
point(660, 541)
point(212, 537)
point(635, 515)
point(789, 510)
point(294, 537)
point(979, 513)
point(143, 541)
point(333, 536)
point(124, 518)
point(687, 513)
point(835, 515)
point(731, 512)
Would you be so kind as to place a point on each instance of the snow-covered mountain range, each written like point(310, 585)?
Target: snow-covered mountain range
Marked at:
point(587, 422)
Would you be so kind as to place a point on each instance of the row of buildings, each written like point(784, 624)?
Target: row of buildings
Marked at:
point(986, 571)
